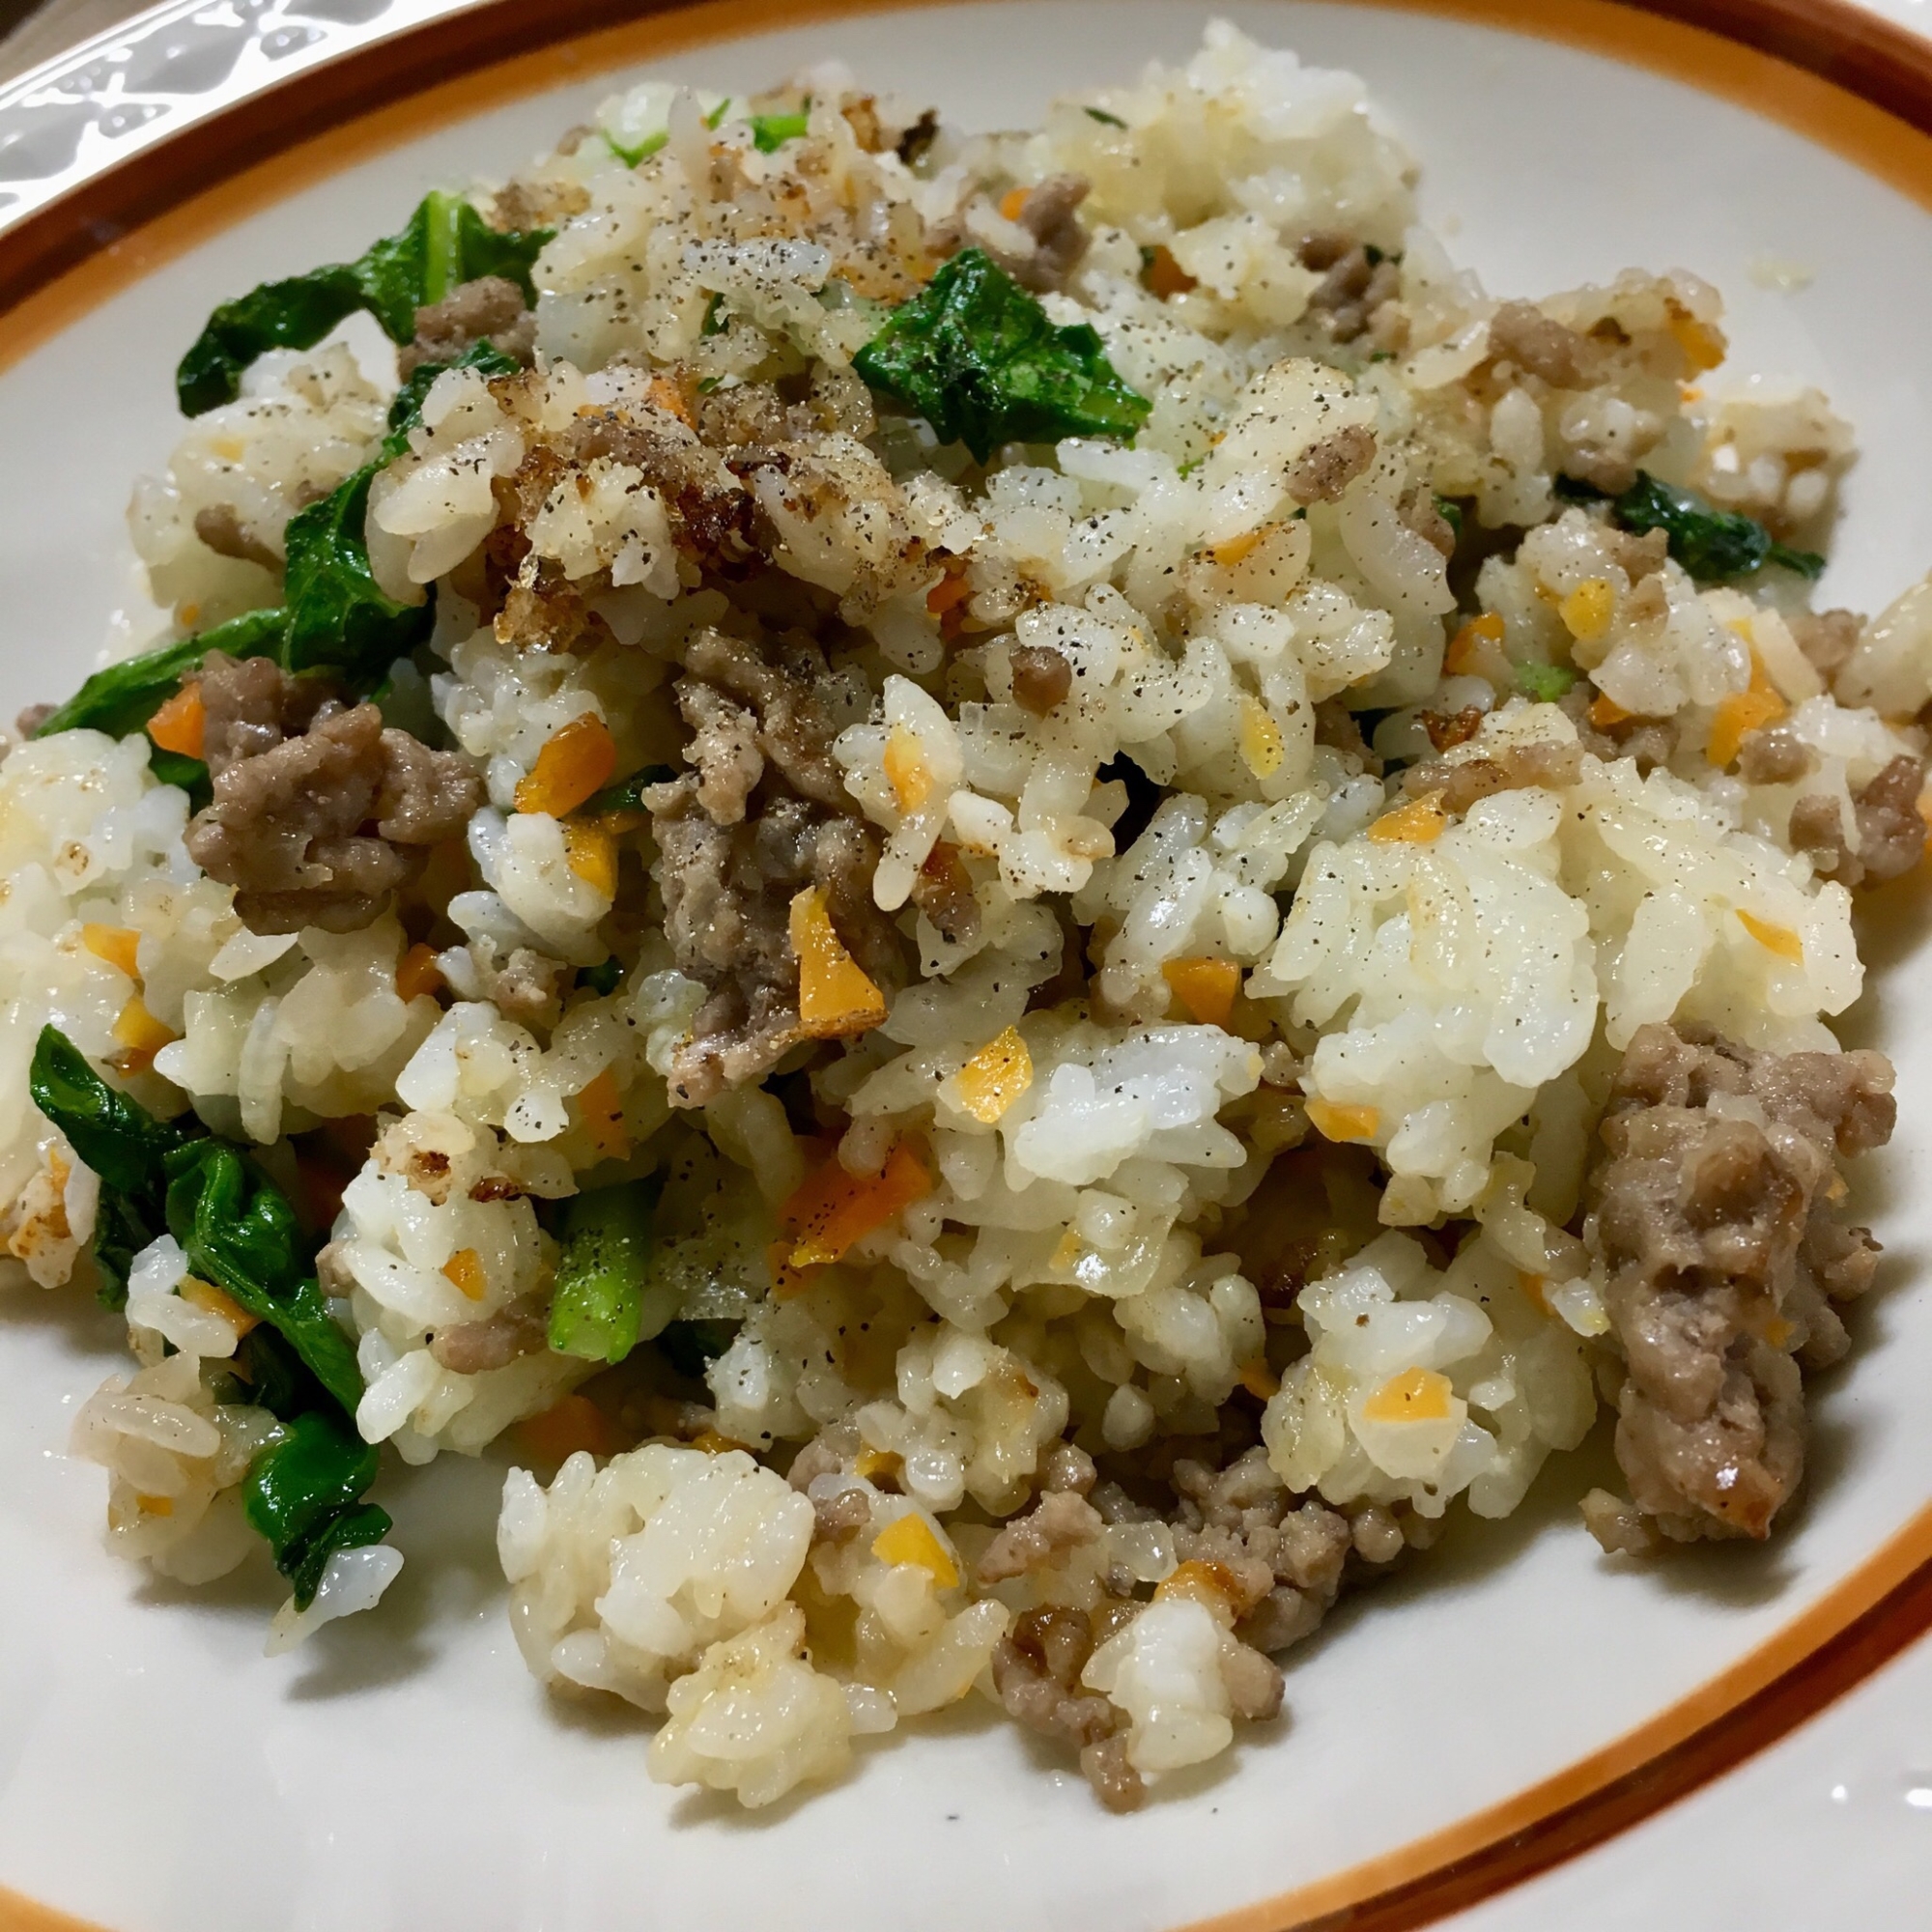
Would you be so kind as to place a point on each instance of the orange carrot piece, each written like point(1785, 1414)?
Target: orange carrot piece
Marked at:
point(179, 724)
point(574, 765)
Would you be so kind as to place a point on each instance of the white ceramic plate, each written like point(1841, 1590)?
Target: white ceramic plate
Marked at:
point(158, 1774)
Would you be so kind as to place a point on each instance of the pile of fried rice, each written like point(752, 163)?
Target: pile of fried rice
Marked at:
point(1188, 1005)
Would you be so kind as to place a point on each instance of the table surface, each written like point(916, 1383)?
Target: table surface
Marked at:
point(1806, 1828)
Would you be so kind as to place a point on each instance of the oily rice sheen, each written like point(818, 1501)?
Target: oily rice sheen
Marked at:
point(1018, 892)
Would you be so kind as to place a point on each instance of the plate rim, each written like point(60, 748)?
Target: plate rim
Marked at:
point(1842, 77)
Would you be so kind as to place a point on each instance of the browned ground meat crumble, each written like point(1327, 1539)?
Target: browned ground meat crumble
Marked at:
point(321, 811)
point(1714, 1210)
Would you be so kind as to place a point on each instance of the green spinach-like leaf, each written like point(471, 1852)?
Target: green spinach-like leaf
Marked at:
point(1544, 682)
point(445, 244)
point(303, 1497)
point(977, 357)
point(597, 1308)
point(771, 131)
point(1713, 545)
point(123, 697)
point(120, 1140)
point(239, 1232)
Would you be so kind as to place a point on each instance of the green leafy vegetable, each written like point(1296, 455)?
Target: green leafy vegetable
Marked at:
point(120, 1140)
point(692, 1347)
point(1105, 118)
point(445, 243)
point(771, 131)
point(124, 697)
point(598, 1309)
point(239, 1232)
point(627, 794)
point(303, 1495)
point(1546, 683)
point(977, 357)
point(1710, 543)
point(603, 978)
point(406, 412)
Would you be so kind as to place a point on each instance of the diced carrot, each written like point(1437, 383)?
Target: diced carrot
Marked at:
point(180, 724)
point(1605, 711)
point(1778, 939)
point(1535, 1290)
point(154, 1505)
point(417, 973)
point(1262, 748)
point(714, 1443)
point(464, 1270)
point(1163, 276)
point(995, 1077)
point(906, 770)
point(1336, 1120)
point(872, 1463)
point(1743, 713)
point(910, 1540)
point(1702, 345)
point(951, 589)
point(1228, 555)
point(1259, 1380)
point(668, 397)
point(1013, 201)
point(205, 1295)
point(591, 853)
point(602, 1113)
point(575, 763)
point(834, 995)
point(831, 1210)
point(1418, 822)
point(1415, 1395)
point(115, 944)
point(1205, 987)
point(1587, 611)
point(1478, 642)
point(141, 1034)
point(575, 1423)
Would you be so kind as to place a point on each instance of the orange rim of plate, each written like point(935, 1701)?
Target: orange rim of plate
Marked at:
point(1842, 78)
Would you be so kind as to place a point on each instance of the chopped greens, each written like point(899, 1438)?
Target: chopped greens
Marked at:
point(977, 357)
point(1546, 683)
point(302, 1495)
point(1105, 118)
point(1451, 513)
point(692, 1347)
point(598, 1311)
point(771, 131)
point(239, 1232)
point(626, 795)
point(120, 1140)
point(123, 697)
point(603, 978)
point(1712, 544)
point(445, 243)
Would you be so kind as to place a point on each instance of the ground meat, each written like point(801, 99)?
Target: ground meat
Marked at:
point(1715, 1226)
point(1827, 637)
point(1418, 512)
point(840, 1518)
point(1042, 676)
point(1458, 727)
point(472, 1348)
point(1352, 286)
point(1465, 781)
point(30, 721)
point(1254, 1684)
point(942, 891)
point(488, 309)
point(1047, 213)
point(1892, 834)
point(522, 205)
point(1037, 1669)
point(1520, 332)
point(918, 137)
point(1619, 1527)
point(223, 532)
point(1060, 1521)
point(791, 711)
point(320, 812)
point(1637, 556)
point(1648, 742)
point(1324, 469)
point(1774, 754)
